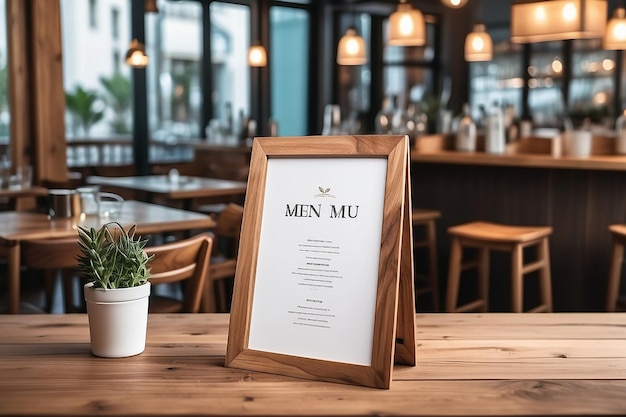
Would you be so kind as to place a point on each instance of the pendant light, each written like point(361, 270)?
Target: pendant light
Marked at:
point(136, 55)
point(257, 57)
point(478, 45)
point(454, 4)
point(556, 20)
point(615, 35)
point(351, 48)
point(150, 6)
point(406, 26)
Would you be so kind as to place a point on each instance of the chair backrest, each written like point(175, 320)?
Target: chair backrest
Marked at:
point(228, 228)
point(224, 259)
point(50, 253)
point(186, 259)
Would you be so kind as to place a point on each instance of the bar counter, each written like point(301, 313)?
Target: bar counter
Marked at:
point(578, 197)
point(525, 160)
point(467, 365)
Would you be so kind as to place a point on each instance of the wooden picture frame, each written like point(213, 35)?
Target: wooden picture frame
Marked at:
point(392, 323)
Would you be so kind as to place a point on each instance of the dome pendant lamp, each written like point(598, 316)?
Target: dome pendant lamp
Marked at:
point(351, 48)
point(136, 55)
point(257, 57)
point(406, 26)
point(454, 4)
point(478, 45)
point(615, 35)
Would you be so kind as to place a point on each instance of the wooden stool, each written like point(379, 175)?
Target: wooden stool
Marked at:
point(490, 236)
point(426, 219)
point(618, 233)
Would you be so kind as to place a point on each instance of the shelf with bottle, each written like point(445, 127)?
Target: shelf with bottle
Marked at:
point(397, 118)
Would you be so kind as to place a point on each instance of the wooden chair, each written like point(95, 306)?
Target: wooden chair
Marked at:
point(427, 283)
point(51, 256)
point(185, 260)
point(486, 236)
point(618, 235)
point(224, 259)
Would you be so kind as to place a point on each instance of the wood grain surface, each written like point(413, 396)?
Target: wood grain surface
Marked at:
point(497, 364)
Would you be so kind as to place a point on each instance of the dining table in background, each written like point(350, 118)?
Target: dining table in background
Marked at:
point(15, 194)
point(16, 226)
point(179, 187)
point(496, 364)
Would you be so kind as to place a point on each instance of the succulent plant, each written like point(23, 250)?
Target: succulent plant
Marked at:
point(112, 257)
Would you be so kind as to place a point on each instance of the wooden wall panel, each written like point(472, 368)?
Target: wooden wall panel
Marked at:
point(36, 88)
point(49, 95)
point(19, 98)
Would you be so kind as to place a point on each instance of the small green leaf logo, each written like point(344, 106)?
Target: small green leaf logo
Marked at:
point(324, 192)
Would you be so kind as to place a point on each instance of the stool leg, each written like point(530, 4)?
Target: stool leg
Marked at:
point(454, 275)
point(517, 279)
point(432, 263)
point(483, 278)
point(544, 275)
point(617, 257)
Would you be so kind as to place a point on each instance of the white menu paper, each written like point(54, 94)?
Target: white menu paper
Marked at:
point(319, 249)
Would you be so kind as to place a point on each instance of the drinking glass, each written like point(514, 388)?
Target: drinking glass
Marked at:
point(110, 206)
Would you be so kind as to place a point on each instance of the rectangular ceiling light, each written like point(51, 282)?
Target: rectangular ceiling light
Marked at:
point(555, 20)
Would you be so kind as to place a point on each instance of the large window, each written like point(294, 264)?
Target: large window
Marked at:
point(230, 39)
point(97, 87)
point(186, 94)
point(499, 80)
point(592, 86)
point(4, 92)
point(289, 34)
point(174, 47)
point(410, 83)
point(354, 80)
point(407, 70)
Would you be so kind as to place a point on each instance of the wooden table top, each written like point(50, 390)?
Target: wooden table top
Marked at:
point(185, 187)
point(149, 218)
point(16, 226)
point(467, 365)
point(32, 191)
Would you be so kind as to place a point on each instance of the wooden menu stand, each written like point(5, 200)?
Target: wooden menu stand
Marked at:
point(405, 326)
point(324, 281)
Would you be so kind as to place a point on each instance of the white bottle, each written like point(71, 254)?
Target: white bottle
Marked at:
point(494, 139)
point(466, 132)
point(620, 139)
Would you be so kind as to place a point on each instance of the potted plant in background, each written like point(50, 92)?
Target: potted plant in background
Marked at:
point(114, 263)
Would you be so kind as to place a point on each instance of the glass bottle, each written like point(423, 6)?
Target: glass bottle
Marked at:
point(620, 127)
point(332, 120)
point(466, 132)
point(5, 171)
point(228, 123)
point(383, 117)
point(494, 139)
point(421, 121)
point(399, 119)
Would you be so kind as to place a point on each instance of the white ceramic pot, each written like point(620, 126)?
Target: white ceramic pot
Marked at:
point(118, 320)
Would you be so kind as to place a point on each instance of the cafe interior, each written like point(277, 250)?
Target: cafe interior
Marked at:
point(514, 112)
point(148, 266)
